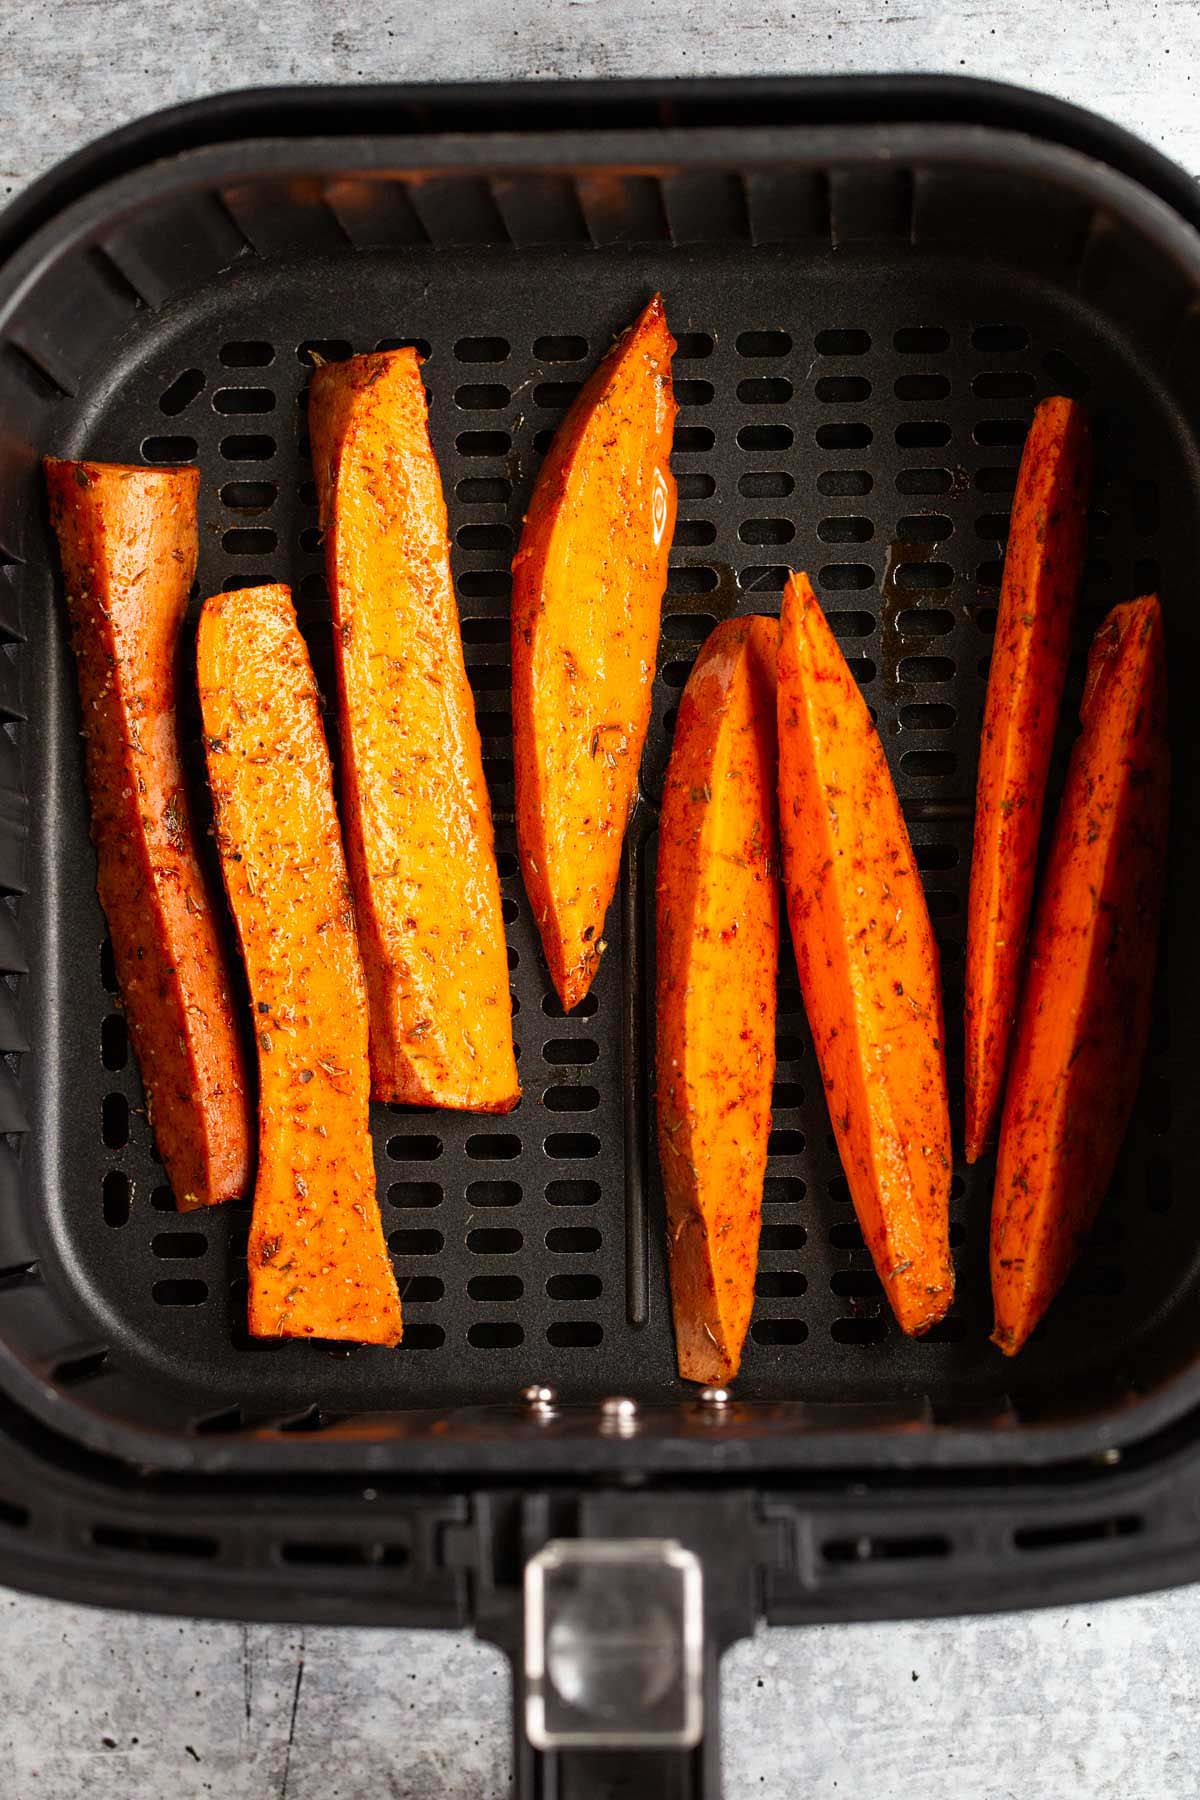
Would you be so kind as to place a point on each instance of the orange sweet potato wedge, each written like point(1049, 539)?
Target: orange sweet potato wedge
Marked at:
point(128, 541)
point(415, 805)
point(1085, 1011)
point(318, 1263)
point(718, 958)
point(588, 581)
point(868, 964)
point(1046, 543)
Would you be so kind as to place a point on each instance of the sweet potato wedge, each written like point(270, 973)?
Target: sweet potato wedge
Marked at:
point(127, 536)
point(415, 806)
point(868, 963)
point(317, 1259)
point(588, 581)
point(718, 958)
point(1046, 544)
point(1085, 1011)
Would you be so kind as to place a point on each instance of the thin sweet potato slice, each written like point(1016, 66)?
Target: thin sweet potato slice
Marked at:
point(127, 536)
point(417, 816)
point(1085, 1011)
point(588, 581)
point(868, 964)
point(1046, 543)
point(718, 958)
point(317, 1259)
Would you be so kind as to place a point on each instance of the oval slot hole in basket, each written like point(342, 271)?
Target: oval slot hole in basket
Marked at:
point(575, 1333)
point(496, 1334)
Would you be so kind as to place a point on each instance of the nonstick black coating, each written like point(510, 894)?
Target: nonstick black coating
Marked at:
point(858, 413)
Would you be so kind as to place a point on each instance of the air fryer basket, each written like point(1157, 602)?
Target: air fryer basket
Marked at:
point(867, 315)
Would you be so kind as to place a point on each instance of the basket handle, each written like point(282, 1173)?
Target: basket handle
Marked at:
point(614, 1610)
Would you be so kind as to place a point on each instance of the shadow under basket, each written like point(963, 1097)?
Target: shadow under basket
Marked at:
point(872, 286)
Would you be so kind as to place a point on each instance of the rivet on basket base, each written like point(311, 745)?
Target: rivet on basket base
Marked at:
point(618, 1416)
point(714, 1397)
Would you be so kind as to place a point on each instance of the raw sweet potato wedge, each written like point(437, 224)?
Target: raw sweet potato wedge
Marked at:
point(318, 1263)
point(868, 964)
point(1085, 1012)
point(1046, 543)
point(588, 581)
point(127, 536)
point(718, 959)
point(417, 816)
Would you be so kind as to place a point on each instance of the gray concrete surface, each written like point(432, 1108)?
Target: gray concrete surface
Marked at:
point(1096, 1703)
point(72, 70)
point(1091, 1703)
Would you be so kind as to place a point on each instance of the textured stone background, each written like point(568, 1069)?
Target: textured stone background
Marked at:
point(70, 71)
point(1087, 1703)
point(1096, 1703)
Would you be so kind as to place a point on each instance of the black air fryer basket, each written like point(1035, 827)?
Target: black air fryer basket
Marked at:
point(872, 284)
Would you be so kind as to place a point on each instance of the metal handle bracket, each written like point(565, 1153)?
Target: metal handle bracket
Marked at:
point(614, 1645)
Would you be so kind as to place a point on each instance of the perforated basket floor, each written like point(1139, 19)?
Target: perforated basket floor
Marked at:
point(853, 402)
